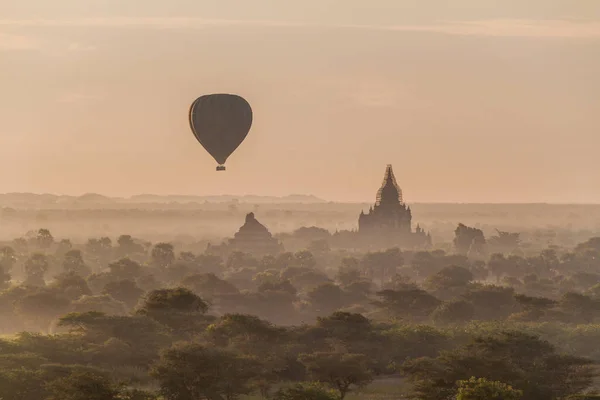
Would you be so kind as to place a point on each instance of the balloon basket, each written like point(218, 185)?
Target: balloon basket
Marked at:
point(221, 168)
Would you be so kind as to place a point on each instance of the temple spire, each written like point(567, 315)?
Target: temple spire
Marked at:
point(390, 192)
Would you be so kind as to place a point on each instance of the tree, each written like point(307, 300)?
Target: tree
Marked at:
point(71, 285)
point(102, 303)
point(519, 359)
point(239, 260)
point(354, 331)
point(128, 247)
point(303, 277)
point(326, 298)
point(126, 291)
point(409, 302)
point(306, 391)
point(125, 268)
point(4, 278)
point(453, 312)
point(44, 239)
point(505, 242)
point(247, 331)
point(8, 258)
point(73, 263)
point(450, 276)
point(163, 255)
point(148, 282)
point(36, 267)
point(305, 259)
point(81, 385)
point(209, 285)
point(449, 282)
point(63, 247)
point(382, 264)
point(277, 286)
point(491, 302)
point(319, 247)
point(179, 309)
point(342, 371)
point(468, 240)
point(483, 389)
point(42, 306)
point(123, 339)
point(101, 250)
point(347, 273)
point(21, 384)
point(210, 263)
point(137, 394)
point(580, 308)
point(178, 299)
point(191, 371)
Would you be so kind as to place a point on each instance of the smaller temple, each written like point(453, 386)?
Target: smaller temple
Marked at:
point(254, 238)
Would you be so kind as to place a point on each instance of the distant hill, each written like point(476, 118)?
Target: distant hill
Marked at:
point(41, 200)
point(254, 199)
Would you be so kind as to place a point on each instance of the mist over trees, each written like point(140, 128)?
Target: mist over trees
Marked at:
point(485, 313)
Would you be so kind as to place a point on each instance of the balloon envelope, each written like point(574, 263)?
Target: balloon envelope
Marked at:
point(220, 122)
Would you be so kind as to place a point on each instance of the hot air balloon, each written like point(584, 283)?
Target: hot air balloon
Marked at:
point(220, 123)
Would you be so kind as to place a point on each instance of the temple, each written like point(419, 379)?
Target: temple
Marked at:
point(389, 221)
point(254, 238)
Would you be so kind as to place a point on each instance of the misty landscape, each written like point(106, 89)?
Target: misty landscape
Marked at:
point(317, 200)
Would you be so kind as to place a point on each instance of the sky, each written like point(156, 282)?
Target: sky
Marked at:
point(469, 100)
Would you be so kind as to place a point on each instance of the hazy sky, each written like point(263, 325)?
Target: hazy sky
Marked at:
point(470, 100)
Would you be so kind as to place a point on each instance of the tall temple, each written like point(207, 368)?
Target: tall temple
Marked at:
point(390, 220)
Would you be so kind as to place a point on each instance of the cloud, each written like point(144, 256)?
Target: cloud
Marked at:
point(512, 28)
point(16, 42)
point(493, 27)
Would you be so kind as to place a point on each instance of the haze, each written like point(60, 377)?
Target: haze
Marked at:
point(473, 102)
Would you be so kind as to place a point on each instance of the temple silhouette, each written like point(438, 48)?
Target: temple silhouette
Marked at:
point(387, 224)
point(252, 238)
point(389, 221)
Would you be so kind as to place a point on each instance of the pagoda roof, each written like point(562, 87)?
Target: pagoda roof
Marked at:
point(389, 192)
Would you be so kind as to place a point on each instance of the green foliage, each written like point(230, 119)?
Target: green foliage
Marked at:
point(483, 389)
point(22, 384)
point(194, 371)
point(44, 239)
point(409, 303)
point(305, 391)
point(163, 255)
point(102, 303)
point(4, 277)
point(209, 285)
point(36, 267)
point(71, 285)
point(40, 307)
point(137, 340)
point(508, 356)
point(174, 300)
point(73, 263)
point(342, 371)
point(125, 268)
point(278, 322)
point(125, 291)
point(81, 385)
point(453, 312)
point(449, 277)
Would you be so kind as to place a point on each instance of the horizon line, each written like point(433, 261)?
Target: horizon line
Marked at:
point(322, 200)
